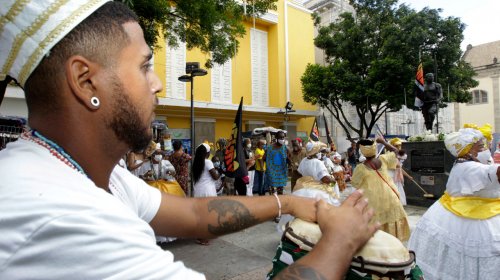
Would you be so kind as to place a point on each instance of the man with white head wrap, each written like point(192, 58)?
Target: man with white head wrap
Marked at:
point(457, 238)
point(91, 95)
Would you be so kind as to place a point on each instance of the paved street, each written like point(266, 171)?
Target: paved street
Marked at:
point(243, 255)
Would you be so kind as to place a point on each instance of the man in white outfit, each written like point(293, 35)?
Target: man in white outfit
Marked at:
point(67, 210)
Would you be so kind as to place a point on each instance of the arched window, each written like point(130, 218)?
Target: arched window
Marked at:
point(479, 96)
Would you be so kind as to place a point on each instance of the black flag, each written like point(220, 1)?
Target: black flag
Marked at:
point(314, 135)
point(234, 157)
point(328, 137)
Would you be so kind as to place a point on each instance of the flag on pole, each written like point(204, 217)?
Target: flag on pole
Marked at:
point(234, 157)
point(314, 135)
point(328, 137)
point(378, 133)
point(419, 86)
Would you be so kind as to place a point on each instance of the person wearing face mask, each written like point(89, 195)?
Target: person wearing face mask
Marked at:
point(296, 156)
point(457, 238)
point(260, 169)
point(219, 185)
point(239, 184)
point(312, 165)
point(338, 171)
point(158, 167)
point(276, 164)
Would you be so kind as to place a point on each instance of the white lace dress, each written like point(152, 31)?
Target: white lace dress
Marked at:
point(451, 247)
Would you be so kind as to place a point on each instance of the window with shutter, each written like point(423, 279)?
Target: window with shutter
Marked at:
point(479, 96)
point(259, 63)
point(221, 83)
point(175, 67)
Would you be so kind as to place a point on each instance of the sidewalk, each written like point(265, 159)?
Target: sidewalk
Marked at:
point(244, 255)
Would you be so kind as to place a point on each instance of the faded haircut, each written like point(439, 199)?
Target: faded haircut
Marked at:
point(99, 38)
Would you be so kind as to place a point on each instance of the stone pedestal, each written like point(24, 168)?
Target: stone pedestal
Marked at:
point(429, 163)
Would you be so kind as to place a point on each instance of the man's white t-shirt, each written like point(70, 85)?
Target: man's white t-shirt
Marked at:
point(56, 224)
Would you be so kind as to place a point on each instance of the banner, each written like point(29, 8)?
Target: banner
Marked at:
point(234, 157)
point(314, 135)
point(328, 137)
point(419, 86)
point(378, 133)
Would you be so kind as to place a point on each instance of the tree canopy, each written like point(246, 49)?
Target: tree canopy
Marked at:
point(213, 26)
point(372, 58)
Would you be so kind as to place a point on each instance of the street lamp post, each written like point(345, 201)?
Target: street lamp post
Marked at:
point(192, 70)
point(288, 109)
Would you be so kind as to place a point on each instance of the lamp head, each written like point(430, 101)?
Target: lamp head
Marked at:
point(198, 72)
point(289, 105)
point(185, 78)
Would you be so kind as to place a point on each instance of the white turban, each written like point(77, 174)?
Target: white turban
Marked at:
point(29, 29)
point(460, 142)
point(206, 147)
point(313, 148)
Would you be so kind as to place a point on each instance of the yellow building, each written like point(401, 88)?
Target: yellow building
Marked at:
point(484, 107)
point(266, 72)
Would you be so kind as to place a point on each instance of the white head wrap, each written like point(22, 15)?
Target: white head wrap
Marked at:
point(29, 29)
point(206, 147)
point(313, 148)
point(460, 142)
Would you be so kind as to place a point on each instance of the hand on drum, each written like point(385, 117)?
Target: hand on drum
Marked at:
point(349, 225)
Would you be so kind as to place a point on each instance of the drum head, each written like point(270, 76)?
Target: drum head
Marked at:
point(383, 255)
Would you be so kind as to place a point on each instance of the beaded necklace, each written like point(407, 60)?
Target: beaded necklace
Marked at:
point(461, 159)
point(57, 151)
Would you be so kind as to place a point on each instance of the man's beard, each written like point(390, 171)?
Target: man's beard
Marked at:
point(126, 120)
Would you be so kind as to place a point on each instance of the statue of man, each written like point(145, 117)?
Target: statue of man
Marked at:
point(432, 95)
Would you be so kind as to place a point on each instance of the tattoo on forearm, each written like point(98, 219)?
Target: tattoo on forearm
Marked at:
point(299, 271)
point(231, 216)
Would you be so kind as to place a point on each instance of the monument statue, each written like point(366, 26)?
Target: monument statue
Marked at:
point(431, 97)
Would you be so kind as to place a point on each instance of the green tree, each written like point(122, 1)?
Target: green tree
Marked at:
point(213, 26)
point(372, 59)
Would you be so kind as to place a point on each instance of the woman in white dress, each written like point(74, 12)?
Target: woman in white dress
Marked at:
point(204, 175)
point(313, 166)
point(459, 235)
point(397, 173)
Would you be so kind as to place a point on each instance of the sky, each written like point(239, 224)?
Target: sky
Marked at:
point(482, 17)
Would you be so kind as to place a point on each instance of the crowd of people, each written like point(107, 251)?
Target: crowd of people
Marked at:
point(269, 166)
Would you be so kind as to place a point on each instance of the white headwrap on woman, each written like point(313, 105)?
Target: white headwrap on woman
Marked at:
point(206, 147)
point(313, 148)
point(459, 143)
